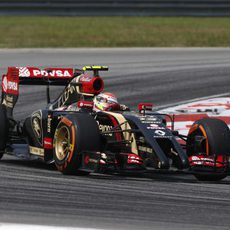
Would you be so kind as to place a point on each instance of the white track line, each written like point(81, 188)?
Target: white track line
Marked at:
point(8, 226)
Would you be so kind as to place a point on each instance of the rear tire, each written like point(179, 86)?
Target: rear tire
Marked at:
point(4, 128)
point(74, 134)
point(214, 140)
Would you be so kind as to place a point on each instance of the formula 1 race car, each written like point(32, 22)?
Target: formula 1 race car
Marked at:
point(116, 141)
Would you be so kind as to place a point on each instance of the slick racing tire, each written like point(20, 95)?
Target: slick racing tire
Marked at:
point(74, 134)
point(3, 130)
point(213, 138)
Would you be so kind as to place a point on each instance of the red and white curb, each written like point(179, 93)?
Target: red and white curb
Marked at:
point(185, 114)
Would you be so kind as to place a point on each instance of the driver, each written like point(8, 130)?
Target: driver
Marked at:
point(105, 102)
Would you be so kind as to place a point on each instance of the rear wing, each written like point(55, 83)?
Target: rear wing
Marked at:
point(77, 80)
point(49, 76)
point(35, 76)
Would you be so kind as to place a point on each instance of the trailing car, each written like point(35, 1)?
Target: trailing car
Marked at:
point(79, 140)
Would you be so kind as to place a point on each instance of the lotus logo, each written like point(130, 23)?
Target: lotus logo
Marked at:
point(36, 126)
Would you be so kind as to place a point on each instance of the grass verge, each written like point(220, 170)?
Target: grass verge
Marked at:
point(113, 32)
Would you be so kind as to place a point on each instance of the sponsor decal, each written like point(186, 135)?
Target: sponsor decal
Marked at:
point(4, 84)
point(148, 118)
point(66, 121)
point(134, 159)
point(104, 128)
point(9, 98)
point(12, 85)
point(85, 78)
point(195, 158)
point(204, 160)
point(9, 86)
point(85, 104)
point(70, 90)
point(145, 149)
point(48, 143)
point(37, 126)
point(141, 140)
point(36, 151)
point(166, 137)
point(49, 124)
point(163, 136)
point(24, 72)
point(36, 120)
point(52, 73)
point(160, 132)
point(154, 126)
point(8, 101)
point(149, 122)
point(8, 104)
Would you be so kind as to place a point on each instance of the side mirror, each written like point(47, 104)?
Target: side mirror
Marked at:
point(142, 107)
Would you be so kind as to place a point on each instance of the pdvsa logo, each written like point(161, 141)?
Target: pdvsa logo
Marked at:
point(24, 72)
point(36, 72)
point(52, 73)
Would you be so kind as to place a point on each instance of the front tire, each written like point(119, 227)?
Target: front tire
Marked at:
point(215, 134)
point(74, 134)
point(210, 137)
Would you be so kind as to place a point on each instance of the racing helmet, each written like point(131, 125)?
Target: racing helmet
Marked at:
point(105, 102)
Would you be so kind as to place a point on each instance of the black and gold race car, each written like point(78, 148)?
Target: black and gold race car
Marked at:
point(82, 141)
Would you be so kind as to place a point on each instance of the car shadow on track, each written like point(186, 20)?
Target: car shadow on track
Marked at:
point(29, 164)
point(159, 176)
point(178, 177)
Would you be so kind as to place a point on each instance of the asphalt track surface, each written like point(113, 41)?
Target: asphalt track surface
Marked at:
point(31, 192)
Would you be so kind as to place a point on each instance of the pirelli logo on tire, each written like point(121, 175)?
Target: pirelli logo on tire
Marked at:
point(64, 143)
point(66, 121)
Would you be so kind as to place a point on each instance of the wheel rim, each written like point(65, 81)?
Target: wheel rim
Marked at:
point(62, 143)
